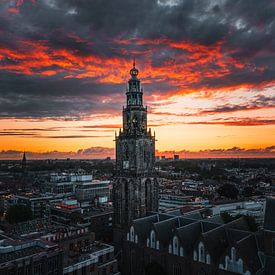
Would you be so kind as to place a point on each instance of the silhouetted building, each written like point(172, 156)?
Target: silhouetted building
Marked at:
point(185, 243)
point(30, 257)
point(24, 162)
point(176, 157)
point(135, 186)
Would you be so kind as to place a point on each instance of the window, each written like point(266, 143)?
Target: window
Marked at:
point(132, 233)
point(201, 252)
point(195, 257)
point(153, 239)
point(175, 245)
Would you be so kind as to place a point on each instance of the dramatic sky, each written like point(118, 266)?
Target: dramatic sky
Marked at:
point(207, 69)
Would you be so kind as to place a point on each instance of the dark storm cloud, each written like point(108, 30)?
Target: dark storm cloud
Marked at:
point(258, 102)
point(244, 29)
point(32, 96)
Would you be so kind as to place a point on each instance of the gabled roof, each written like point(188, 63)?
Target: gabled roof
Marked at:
point(235, 235)
point(142, 226)
point(164, 229)
point(248, 250)
point(189, 234)
point(240, 224)
point(215, 242)
point(207, 226)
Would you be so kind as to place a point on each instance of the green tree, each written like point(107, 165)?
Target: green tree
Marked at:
point(19, 213)
point(228, 190)
point(248, 191)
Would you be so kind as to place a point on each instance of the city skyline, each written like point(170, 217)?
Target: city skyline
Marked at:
point(208, 77)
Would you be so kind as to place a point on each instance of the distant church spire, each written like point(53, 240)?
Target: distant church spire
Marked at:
point(24, 161)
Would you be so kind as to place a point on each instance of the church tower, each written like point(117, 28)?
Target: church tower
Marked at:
point(135, 186)
point(24, 162)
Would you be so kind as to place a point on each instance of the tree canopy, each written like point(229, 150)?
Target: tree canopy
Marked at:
point(228, 190)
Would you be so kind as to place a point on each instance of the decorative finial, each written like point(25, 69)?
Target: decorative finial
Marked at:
point(134, 71)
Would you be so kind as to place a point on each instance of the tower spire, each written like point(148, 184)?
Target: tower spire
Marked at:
point(134, 62)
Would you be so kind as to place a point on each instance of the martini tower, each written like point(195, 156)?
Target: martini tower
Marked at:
point(135, 186)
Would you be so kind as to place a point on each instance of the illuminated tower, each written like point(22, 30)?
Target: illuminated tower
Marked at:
point(135, 186)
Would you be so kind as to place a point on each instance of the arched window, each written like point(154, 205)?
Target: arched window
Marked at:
point(132, 234)
point(181, 251)
point(208, 259)
point(195, 256)
point(175, 245)
point(240, 265)
point(153, 239)
point(136, 238)
point(201, 252)
point(233, 254)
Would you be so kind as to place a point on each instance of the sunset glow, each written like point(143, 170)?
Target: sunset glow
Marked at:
point(209, 87)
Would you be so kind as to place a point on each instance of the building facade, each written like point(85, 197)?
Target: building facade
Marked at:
point(186, 243)
point(30, 257)
point(135, 186)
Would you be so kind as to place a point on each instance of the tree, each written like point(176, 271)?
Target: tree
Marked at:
point(228, 190)
point(19, 213)
point(248, 191)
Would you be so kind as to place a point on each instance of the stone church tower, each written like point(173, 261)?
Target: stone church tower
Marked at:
point(135, 186)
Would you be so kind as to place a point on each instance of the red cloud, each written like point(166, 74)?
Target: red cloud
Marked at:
point(194, 64)
point(17, 5)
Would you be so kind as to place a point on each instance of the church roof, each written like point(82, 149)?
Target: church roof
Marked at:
point(247, 248)
point(215, 241)
point(142, 226)
point(189, 234)
point(239, 223)
point(164, 229)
